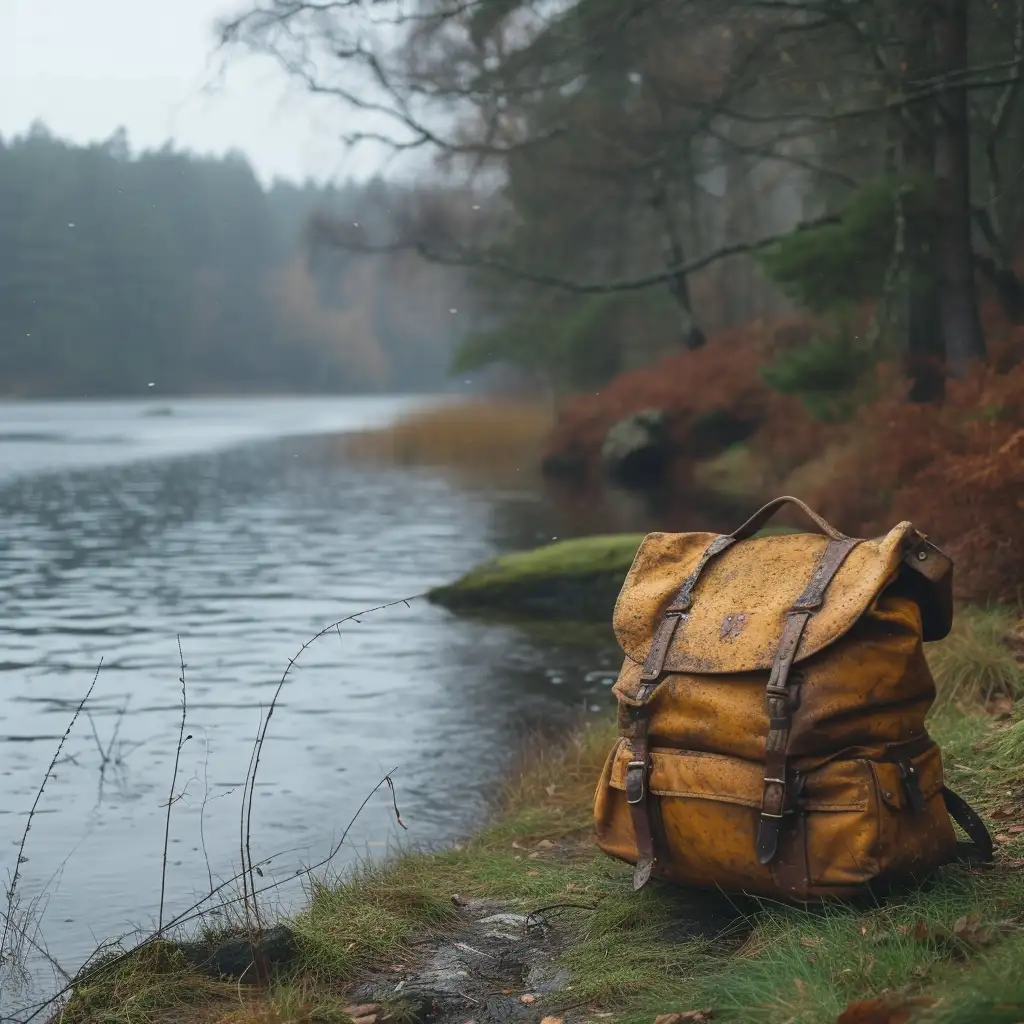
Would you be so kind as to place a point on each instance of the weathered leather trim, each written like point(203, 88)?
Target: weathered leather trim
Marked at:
point(775, 798)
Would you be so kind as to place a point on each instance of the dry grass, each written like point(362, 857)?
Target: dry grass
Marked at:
point(479, 437)
point(977, 663)
point(558, 772)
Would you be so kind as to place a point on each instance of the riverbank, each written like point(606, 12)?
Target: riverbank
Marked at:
point(527, 920)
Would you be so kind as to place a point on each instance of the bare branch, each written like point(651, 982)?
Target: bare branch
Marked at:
point(330, 233)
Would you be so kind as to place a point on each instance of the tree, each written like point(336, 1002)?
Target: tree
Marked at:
point(606, 128)
point(120, 270)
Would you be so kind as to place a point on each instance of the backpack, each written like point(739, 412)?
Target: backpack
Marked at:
point(772, 711)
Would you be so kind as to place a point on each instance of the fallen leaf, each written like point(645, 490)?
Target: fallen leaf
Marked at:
point(881, 1011)
point(1006, 811)
point(800, 985)
point(368, 1019)
point(550, 790)
point(527, 998)
point(968, 929)
point(506, 991)
point(685, 1017)
point(533, 856)
point(533, 872)
point(551, 1020)
point(1015, 829)
point(1002, 837)
point(517, 846)
point(545, 844)
point(808, 943)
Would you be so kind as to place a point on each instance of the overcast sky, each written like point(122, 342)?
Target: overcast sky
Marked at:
point(84, 67)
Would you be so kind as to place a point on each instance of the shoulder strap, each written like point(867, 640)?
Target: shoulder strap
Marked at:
point(980, 847)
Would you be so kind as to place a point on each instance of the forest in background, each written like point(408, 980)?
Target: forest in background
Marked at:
point(649, 172)
point(117, 270)
point(794, 229)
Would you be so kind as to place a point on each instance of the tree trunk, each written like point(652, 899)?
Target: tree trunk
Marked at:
point(691, 334)
point(1007, 285)
point(958, 299)
point(925, 362)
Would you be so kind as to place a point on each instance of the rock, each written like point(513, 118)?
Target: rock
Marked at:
point(545, 981)
point(574, 580)
point(712, 432)
point(637, 449)
point(235, 957)
point(508, 920)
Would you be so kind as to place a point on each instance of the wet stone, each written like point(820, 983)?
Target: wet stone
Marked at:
point(480, 970)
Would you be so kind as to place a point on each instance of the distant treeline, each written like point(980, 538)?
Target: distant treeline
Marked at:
point(118, 270)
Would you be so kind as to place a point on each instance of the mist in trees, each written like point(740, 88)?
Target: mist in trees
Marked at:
point(648, 172)
point(118, 270)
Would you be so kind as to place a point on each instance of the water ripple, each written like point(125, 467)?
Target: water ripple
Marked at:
point(245, 552)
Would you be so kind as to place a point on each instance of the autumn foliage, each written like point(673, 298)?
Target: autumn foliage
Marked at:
point(955, 470)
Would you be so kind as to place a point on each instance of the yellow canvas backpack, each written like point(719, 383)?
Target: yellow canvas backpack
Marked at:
point(772, 711)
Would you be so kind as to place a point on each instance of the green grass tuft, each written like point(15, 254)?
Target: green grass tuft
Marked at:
point(975, 663)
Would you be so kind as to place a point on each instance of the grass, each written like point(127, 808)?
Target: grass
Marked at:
point(949, 953)
point(976, 664)
point(477, 437)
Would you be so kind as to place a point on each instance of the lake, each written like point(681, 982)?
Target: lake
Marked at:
point(237, 526)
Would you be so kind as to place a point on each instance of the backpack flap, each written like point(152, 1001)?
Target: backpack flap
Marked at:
point(744, 593)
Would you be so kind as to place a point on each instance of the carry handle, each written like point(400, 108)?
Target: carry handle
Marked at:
point(758, 519)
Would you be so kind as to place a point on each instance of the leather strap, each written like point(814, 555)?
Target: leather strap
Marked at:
point(759, 518)
point(637, 796)
point(782, 698)
point(674, 617)
point(642, 809)
point(980, 847)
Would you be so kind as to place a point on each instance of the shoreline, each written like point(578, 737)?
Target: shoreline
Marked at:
point(418, 937)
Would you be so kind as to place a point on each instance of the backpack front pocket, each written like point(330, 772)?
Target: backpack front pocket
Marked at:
point(844, 833)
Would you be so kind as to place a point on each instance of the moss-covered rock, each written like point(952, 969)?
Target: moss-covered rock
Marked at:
point(577, 580)
point(574, 580)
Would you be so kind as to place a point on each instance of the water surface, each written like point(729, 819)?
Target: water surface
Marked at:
point(237, 527)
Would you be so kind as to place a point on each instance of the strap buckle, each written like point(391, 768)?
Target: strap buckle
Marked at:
point(911, 786)
point(773, 798)
point(636, 782)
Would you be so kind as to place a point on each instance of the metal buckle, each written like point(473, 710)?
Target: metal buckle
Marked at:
point(641, 767)
point(771, 780)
